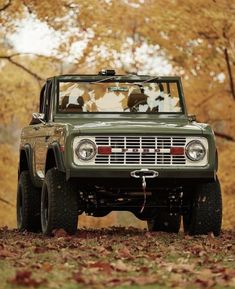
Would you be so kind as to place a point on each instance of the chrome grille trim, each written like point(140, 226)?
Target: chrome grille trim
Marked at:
point(119, 157)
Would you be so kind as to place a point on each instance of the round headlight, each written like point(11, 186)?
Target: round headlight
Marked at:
point(195, 150)
point(86, 150)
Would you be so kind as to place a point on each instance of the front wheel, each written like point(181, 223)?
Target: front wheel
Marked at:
point(59, 203)
point(205, 212)
point(28, 204)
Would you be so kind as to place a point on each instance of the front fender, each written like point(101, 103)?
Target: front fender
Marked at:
point(54, 157)
point(26, 163)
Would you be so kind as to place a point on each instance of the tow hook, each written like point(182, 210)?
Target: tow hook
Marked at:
point(144, 174)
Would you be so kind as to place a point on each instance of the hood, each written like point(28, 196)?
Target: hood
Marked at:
point(137, 127)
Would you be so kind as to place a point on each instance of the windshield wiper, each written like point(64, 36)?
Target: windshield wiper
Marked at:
point(103, 79)
point(140, 84)
point(150, 79)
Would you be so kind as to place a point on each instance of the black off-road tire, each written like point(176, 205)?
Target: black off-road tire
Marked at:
point(165, 222)
point(59, 203)
point(28, 204)
point(205, 213)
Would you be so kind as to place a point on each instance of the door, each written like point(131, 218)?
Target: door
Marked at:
point(43, 132)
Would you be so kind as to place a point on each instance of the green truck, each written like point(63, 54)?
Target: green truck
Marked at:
point(107, 142)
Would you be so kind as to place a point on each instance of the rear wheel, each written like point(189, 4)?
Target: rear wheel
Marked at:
point(59, 203)
point(165, 222)
point(205, 213)
point(28, 204)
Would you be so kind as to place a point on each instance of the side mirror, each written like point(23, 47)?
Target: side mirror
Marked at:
point(39, 116)
point(192, 117)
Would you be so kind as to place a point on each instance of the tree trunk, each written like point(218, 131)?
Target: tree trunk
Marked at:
point(230, 74)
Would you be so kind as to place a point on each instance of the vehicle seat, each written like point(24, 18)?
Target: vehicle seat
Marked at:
point(135, 98)
point(72, 107)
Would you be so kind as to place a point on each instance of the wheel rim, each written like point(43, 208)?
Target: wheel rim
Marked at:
point(45, 208)
point(19, 208)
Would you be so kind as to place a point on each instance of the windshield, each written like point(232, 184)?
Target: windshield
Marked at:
point(114, 96)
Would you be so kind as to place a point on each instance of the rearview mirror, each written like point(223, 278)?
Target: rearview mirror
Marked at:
point(39, 116)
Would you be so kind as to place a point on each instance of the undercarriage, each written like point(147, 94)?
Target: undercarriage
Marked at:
point(99, 197)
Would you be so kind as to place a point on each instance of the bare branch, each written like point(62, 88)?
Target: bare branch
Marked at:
point(6, 202)
point(4, 7)
point(9, 58)
point(27, 7)
point(224, 136)
point(208, 36)
point(220, 134)
point(30, 53)
point(230, 74)
point(205, 100)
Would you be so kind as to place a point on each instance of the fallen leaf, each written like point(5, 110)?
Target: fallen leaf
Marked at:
point(121, 266)
point(24, 278)
point(102, 250)
point(176, 280)
point(113, 282)
point(183, 268)
point(124, 253)
point(59, 233)
point(144, 280)
point(39, 249)
point(4, 253)
point(104, 267)
point(79, 278)
point(205, 278)
point(143, 269)
point(47, 267)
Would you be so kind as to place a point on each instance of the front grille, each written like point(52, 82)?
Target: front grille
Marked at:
point(144, 150)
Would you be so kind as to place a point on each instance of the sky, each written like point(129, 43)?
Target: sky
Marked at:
point(34, 36)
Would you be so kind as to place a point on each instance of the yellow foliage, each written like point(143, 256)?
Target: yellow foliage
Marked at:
point(8, 184)
point(227, 179)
